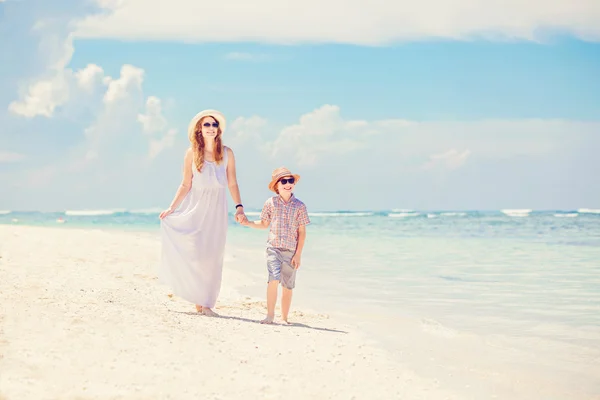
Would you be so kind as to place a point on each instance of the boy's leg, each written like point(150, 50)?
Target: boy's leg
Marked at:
point(286, 302)
point(288, 282)
point(274, 268)
point(271, 301)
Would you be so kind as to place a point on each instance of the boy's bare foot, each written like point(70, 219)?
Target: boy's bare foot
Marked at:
point(198, 308)
point(208, 312)
point(286, 322)
point(267, 320)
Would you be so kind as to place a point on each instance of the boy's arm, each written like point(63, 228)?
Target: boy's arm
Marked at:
point(260, 224)
point(303, 220)
point(297, 258)
point(301, 239)
point(265, 217)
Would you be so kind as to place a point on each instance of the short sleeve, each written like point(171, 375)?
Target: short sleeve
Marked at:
point(267, 211)
point(303, 218)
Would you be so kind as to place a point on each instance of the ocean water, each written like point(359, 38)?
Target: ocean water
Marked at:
point(515, 272)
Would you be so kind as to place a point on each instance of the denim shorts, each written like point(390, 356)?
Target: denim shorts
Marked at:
point(279, 265)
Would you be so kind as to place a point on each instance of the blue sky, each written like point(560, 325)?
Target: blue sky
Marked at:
point(377, 107)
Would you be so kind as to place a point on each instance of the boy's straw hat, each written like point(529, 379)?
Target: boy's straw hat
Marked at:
point(206, 113)
point(278, 174)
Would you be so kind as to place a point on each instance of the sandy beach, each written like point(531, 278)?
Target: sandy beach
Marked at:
point(83, 317)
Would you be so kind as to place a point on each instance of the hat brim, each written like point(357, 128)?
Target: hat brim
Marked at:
point(206, 113)
point(273, 182)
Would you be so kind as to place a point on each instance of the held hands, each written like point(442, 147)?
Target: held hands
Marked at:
point(240, 217)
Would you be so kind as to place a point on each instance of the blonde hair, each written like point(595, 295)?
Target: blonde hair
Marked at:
point(198, 144)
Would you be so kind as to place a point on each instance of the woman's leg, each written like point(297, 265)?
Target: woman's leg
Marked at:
point(208, 312)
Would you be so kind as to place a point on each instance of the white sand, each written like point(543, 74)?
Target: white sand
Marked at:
point(83, 317)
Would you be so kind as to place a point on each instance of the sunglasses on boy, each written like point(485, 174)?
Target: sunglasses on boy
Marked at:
point(285, 181)
point(208, 124)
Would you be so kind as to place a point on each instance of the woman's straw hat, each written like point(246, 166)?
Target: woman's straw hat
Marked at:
point(206, 113)
point(280, 173)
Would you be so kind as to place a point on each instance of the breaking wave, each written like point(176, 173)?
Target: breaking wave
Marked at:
point(517, 212)
point(91, 213)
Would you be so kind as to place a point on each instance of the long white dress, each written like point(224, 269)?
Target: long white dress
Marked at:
point(193, 237)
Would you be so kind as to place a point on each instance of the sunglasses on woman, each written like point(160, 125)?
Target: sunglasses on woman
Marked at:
point(208, 124)
point(285, 181)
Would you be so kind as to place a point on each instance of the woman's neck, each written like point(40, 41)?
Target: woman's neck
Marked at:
point(209, 146)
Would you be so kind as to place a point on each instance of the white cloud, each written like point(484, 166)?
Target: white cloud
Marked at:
point(115, 116)
point(153, 120)
point(367, 23)
point(90, 78)
point(323, 133)
point(244, 129)
point(57, 85)
point(110, 4)
point(43, 97)
point(401, 163)
point(154, 125)
point(8, 157)
point(319, 133)
point(55, 47)
point(115, 104)
point(124, 121)
point(108, 132)
point(130, 80)
point(120, 143)
point(451, 159)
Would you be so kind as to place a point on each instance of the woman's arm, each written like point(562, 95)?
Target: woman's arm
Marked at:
point(233, 186)
point(186, 183)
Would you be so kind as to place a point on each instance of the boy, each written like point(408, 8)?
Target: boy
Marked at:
point(288, 218)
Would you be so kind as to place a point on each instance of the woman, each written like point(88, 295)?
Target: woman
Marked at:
point(194, 227)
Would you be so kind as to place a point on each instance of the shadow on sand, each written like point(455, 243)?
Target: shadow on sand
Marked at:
point(257, 321)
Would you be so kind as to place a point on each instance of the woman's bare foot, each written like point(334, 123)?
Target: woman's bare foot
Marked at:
point(286, 322)
point(208, 312)
point(198, 308)
point(267, 320)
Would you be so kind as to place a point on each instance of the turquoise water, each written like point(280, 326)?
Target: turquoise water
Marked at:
point(519, 272)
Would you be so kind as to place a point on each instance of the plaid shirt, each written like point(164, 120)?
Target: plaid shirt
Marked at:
point(285, 219)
